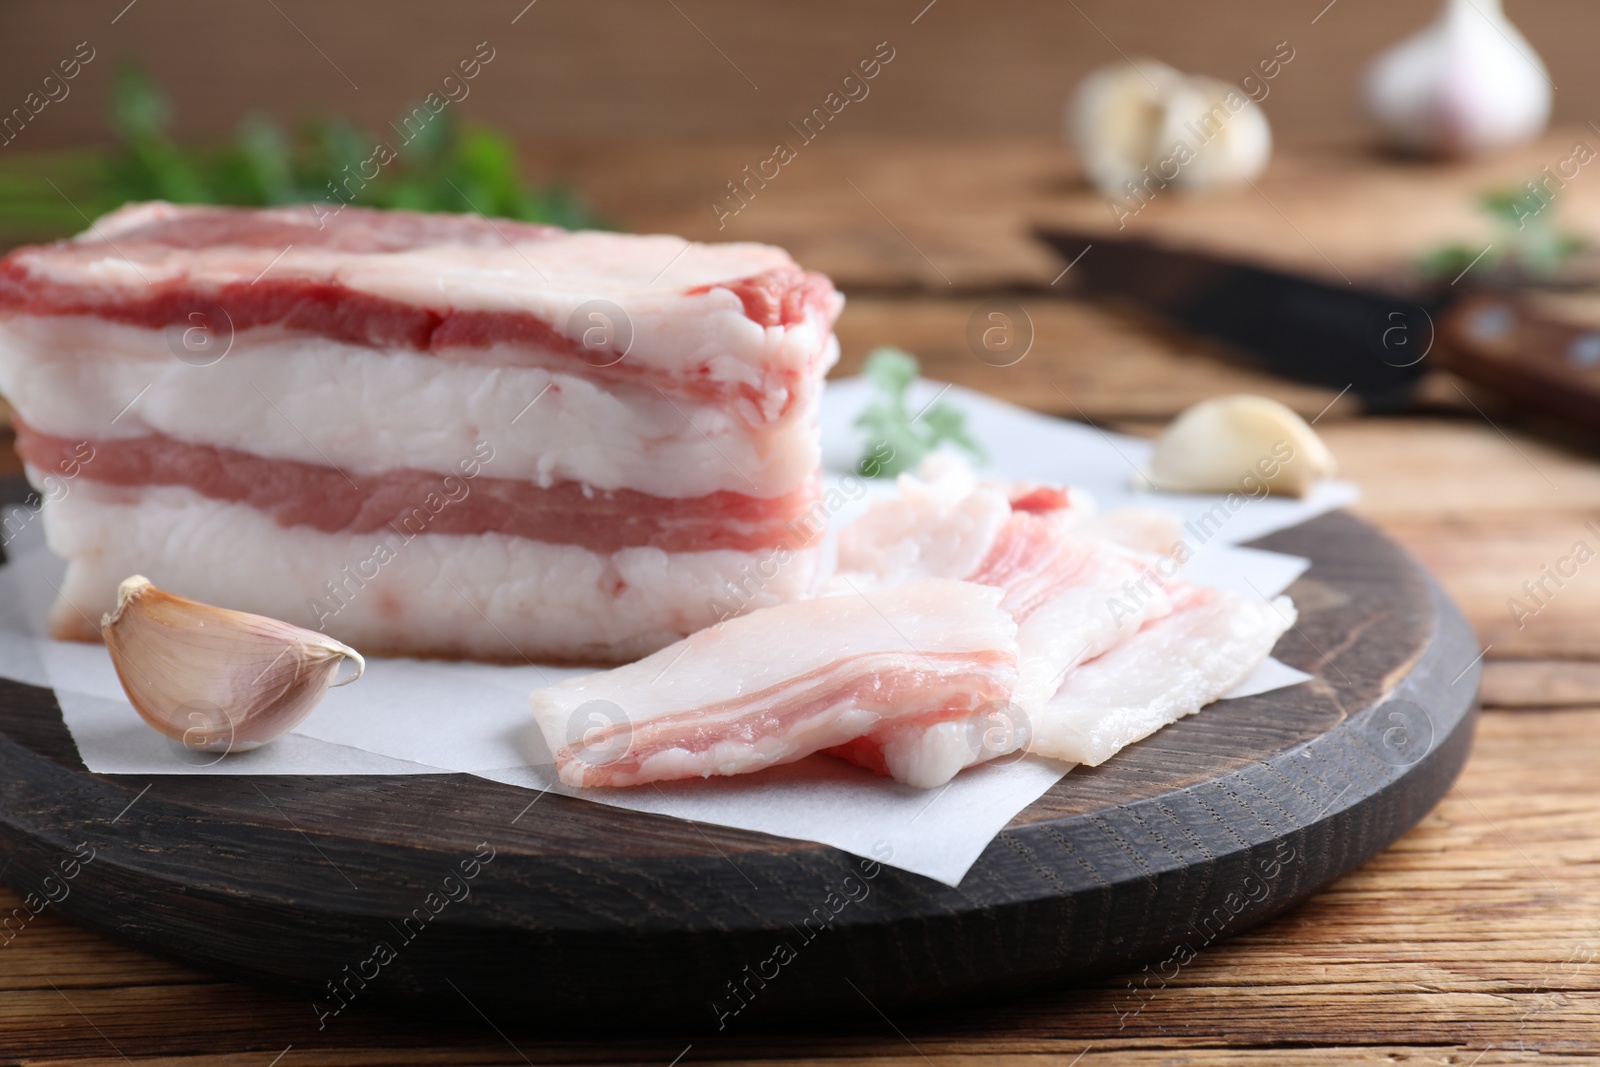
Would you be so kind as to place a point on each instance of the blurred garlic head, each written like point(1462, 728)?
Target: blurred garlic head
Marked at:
point(1115, 119)
point(217, 680)
point(1467, 84)
point(1228, 130)
point(1142, 125)
point(1239, 444)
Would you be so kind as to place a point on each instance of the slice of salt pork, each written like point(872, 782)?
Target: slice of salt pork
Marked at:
point(781, 683)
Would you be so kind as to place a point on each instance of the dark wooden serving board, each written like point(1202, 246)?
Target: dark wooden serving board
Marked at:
point(592, 917)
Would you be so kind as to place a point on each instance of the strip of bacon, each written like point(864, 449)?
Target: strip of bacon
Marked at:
point(366, 410)
point(1073, 598)
point(480, 596)
point(437, 283)
point(1173, 667)
point(778, 684)
point(409, 502)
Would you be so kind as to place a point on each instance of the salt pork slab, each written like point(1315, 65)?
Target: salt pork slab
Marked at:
point(423, 434)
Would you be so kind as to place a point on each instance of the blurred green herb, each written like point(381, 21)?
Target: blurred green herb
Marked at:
point(425, 163)
point(899, 438)
point(1527, 244)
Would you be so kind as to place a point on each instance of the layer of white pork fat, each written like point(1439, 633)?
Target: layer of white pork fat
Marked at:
point(777, 685)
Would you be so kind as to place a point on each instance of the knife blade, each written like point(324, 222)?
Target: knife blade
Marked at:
point(1343, 336)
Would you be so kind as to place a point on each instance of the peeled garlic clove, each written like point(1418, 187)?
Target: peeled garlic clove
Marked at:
point(217, 680)
point(1239, 444)
point(1467, 84)
point(1226, 130)
point(1114, 120)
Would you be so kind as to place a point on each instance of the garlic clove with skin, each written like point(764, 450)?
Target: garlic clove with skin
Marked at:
point(1140, 125)
point(1226, 129)
point(1115, 118)
point(1467, 84)
point(1238, 444)
point(214, 679)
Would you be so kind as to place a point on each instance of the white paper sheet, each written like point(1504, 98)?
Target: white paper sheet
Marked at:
point(937, 832)
point(429, 717)
point(1270, 675)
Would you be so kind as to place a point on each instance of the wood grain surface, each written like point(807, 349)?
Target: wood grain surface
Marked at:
point(623, 70)
point(955, 216)
point(1471, 940)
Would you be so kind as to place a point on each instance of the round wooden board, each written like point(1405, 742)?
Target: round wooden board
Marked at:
point(594, 917)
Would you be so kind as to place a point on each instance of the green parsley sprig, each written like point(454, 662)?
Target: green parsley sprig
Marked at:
point(442, 167)
point(1528, 246)
point(898, 437)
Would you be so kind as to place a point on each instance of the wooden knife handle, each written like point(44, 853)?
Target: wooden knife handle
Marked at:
point(1535, 359)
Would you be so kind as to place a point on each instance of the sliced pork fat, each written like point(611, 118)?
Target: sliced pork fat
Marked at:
point(639, 413)
point(1173, 667)
point(777, 685)
point(488, 596)
point(1072, 597)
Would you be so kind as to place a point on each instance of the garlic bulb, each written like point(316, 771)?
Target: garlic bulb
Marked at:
point(1227, 129)
point(1467, 84)
point(1141, 125)
point(1239, 444)
point(217, 680)
point(1115, 119)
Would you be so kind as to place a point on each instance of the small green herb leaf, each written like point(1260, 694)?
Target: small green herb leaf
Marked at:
point(1527, 243)
point(892, 370)
point(422, 162)
point(898, 439)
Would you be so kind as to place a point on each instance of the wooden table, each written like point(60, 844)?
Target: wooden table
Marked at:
point(1474, 940)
